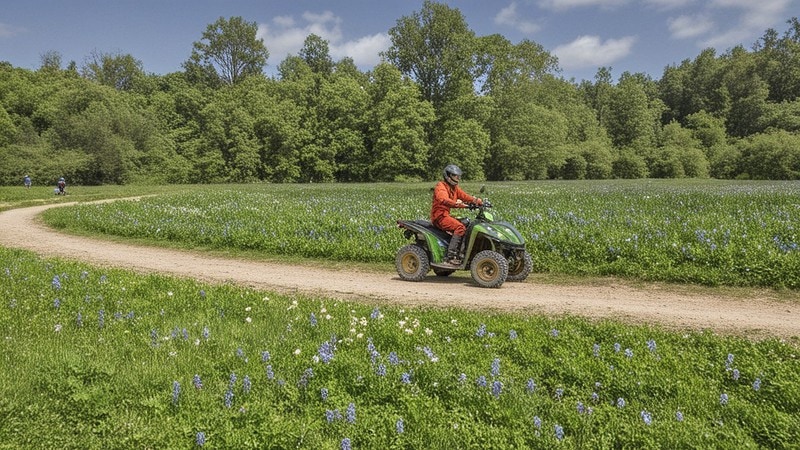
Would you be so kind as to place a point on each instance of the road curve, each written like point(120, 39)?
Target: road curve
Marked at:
point(759, 317)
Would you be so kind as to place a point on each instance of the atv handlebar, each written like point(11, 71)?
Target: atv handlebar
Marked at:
point(474, 206)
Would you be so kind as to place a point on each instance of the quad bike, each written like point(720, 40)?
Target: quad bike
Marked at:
point(493, 251)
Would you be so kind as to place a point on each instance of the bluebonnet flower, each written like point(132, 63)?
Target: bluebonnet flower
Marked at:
point(153, 336)
point(270, 373)
point(757, 384)
point(651, 344)
point(232, 380)
point(554, 332)
point(101, 319)
point(723, 399)
point(537, 422)
point(79, 319)
point(620, 402)
point(56, 303)
point(531, 386)
point(380, 370)
point(373, 352)
point(735, 374)
point(325, 352)
point(405, 378)
point(240, 353)
point(559, 432)
point(200, 440)
point(629, 353)
point(580, 408)
point(729, 361)
point(512, 334)
point(495, 367)
point(185, 334)
point(228, 398)
point(595, 397)
point(205, 333)
point(646, 417)
point(481, 331)
point(596, 350)
point(176, 392)
point(331, 415)
point(346, 445)
point(202, 293)
point(264, 356)
point(617, 347)
point(246, 384)
point(679, 416)
point(376, 313)
point(307, 375)
point(429, 353)
point(497, 388)
point(56, 282)
point(313, 319)
point(399, 426)
point(350, 414)
point(323, 393)
point(559, 393)
point(394, 359)
point(481, 381)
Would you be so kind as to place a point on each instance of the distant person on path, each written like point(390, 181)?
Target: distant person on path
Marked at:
point(61, 186)
point(27, 181)
point(448, 195)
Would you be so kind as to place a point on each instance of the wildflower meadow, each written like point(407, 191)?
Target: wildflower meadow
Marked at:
point(105, 358)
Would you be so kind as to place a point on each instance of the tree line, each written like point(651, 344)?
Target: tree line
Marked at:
point(442, 95)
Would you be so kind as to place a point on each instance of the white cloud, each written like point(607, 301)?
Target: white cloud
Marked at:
point(684, 27)
point(508, 16)
point(7, 30)
point(560, 5)
point(754, 19)
point(285, 36)
point(590, 51)
point(669, 4)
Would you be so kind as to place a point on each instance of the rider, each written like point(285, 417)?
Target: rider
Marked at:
point(61, 185)
point(27, 181)
point(448, 195)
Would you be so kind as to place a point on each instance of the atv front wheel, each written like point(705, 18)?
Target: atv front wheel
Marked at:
point(520, 268)
point(489, 269)
point(412, 263)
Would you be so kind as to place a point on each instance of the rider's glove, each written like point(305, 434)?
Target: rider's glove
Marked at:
point(478, 201)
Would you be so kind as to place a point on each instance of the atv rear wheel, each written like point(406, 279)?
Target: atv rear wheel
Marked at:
point(489, 269)
point(412, 263)
point(520, 268)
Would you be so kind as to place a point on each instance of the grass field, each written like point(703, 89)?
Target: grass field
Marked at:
point(97, 358)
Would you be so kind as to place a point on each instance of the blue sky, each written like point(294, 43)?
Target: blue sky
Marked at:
point(627, 35)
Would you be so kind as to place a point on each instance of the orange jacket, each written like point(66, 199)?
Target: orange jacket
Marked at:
point(444, 198)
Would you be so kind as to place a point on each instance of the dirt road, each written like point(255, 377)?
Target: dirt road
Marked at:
point(759, 316)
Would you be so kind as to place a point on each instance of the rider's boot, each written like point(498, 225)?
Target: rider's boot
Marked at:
point(452, 251)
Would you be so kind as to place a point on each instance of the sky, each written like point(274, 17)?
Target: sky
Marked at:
point(625, 35)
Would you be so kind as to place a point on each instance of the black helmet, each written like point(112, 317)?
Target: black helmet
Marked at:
point(450, 172)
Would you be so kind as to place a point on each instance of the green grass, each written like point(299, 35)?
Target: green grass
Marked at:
point(100, 358)
point(702, 232)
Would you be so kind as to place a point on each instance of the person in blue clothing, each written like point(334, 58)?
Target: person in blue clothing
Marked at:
point(62, 186)
point(27, 181)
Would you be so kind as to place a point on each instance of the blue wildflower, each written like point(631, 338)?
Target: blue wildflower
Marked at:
point(56, 303)
point(462, 378)
point(559, 432)
point(313, 319)
point(323, 393)
point(580, 408)
point(228, 398)
point(264, 356)
point(176, 392)
point(198, 384)
point(629, 353)
point(399, 426)
point(559, 393)
point(205, 333)
point(554, 332)
point(200, 440)
point(757, 384)
point(481, 331)
point(723, 399)
point(394, 359)
point(679, 416)
point(350, 414)
point(620, 402)
point(646, 417)
point(617, 347)
point(380, 370)
point(481, 381)
point(651, 344)
point(497, 388)
point(307, 375)
point(537, 422)
point(270, 373)
point(495, 367)
point(331, 415)
point(596, 350)
point(735, 374)
point(202, 293)
point(246, 384)
point(232, 380)
point(531, 386)
point(729, 361)
point(346, 445)
point(376, 313)
point(405, 378)
point(79, 319)
point(56, 282)
point(101, 318)
point(325, 352)
point(512, 334)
